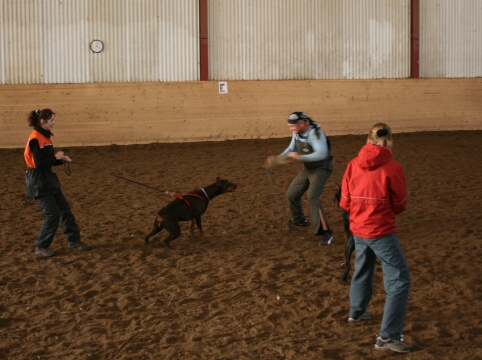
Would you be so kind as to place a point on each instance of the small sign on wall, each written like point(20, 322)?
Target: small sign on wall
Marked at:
point(223, 87)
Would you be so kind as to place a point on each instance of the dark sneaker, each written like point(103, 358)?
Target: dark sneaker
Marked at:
point(327, 238)
point(365, 316)
point(44, 252)
point(395, 345)
point(302, 223)
point(77, 245)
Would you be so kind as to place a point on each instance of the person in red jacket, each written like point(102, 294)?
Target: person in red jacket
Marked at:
point(43, 185)
point(373, 192)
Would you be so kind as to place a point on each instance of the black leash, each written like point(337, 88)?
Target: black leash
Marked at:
point(69, 172)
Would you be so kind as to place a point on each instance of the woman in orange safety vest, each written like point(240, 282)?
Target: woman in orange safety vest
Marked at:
point(43, 185)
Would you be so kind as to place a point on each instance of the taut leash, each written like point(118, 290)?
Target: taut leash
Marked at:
point(68, 172)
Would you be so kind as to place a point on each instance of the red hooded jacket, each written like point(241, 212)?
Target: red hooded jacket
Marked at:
point(373, 191)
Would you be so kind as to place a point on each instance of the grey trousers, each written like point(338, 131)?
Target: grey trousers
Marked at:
point(56, 210)
point(312, 182)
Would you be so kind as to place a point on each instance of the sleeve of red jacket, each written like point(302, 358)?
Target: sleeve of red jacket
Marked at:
point(398, 192)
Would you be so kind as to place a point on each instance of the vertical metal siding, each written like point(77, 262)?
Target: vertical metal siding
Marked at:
point(45, 41)
point(22, 45)
point(105, 21)
point(2, 52)
point(308, 39)
point(179, 40)
point(450, 38)
point(61, 42)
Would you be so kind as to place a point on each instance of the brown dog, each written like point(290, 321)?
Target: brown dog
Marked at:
point(187, 207)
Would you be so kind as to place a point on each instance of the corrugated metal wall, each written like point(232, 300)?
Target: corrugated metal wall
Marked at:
point(308, 39)
point(450, 38)
point(45, 41)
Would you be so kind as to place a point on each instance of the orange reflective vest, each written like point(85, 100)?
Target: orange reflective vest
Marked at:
point(42, 141)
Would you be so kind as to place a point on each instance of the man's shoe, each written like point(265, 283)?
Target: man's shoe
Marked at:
point(395, 345)
point(365, 316)
point(302, 223)
point(327, 238)
point(77, 245)
point(44, 252)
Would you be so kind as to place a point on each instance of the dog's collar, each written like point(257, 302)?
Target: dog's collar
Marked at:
point(204, 191)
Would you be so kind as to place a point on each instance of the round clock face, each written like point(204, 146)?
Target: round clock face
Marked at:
point(96, 46)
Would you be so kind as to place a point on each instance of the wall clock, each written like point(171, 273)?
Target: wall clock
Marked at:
point(96, 46)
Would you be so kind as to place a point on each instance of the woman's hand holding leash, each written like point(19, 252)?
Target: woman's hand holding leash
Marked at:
point(60, 155)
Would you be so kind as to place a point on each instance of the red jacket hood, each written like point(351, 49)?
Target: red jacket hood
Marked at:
point(371, 157)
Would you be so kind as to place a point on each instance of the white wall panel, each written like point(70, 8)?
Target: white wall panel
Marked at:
point(2, 50)
point(45, 41)
point(450, 38)
point(308, 39)
point(62, 47)
point(22, 41)
point(179, 40)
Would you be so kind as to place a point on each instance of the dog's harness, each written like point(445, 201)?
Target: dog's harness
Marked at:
point(182, 197)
